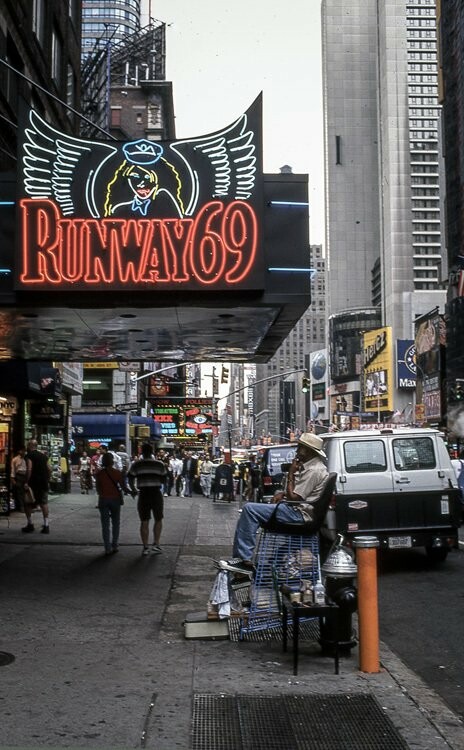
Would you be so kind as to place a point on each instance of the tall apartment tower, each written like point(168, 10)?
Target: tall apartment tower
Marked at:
point(381, 112)
point(280, 405)
point(103, 20)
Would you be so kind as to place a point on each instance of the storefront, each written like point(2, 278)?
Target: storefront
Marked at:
point(90, 431)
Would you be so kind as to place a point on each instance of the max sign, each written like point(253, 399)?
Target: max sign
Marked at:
point(141, 215)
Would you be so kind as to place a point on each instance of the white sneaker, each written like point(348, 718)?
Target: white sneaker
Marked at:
point(145, 552)
point(156, 549)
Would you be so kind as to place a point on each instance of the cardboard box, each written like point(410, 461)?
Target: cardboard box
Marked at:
point(197, 625)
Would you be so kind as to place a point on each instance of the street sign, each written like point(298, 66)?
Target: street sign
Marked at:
point(127, 407)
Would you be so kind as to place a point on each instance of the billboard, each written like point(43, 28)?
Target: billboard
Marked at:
point(406, 369)
point(193, 417)
point(430, 342)
point(377, 370)
point(141, 215)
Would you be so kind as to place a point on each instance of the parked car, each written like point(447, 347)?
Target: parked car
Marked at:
point(396, 484)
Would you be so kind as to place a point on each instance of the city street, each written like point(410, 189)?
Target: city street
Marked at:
point(421, 617)
point(98, 658)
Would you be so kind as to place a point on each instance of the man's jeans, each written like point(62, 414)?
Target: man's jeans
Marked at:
point(110, 510)
point(253, 515)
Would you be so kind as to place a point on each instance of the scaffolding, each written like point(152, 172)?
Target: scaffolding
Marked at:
point(138, 58)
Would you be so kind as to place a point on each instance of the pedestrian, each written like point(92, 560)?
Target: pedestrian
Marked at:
point(189, 472)
point(38, 473)
point(176, 464)
point(169, 481)
point(18, 477)
point(95, 462)
point(458, 465)
point(206, 467)
point(85, 473)
point(306, 479)
point(147, 476)
point(125, 464)
point(109, 488)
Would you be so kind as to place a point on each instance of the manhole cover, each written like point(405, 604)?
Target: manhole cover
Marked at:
point(296, 722)
point(5, 658)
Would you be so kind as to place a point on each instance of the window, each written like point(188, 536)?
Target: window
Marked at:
point(70, 88)
point(97, 387)
point(38, 19)
point(115, 117)
point(365, 456)
point(56, 57)
point(413, 454)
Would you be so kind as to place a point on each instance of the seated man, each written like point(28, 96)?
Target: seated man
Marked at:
point(306, 479)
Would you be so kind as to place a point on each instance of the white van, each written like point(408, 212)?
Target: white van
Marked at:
point(396, 484)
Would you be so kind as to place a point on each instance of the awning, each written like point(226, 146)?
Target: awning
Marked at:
point(86, 426)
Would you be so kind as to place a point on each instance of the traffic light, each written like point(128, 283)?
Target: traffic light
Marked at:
point(225, 375)
point(456, 391)
point(305, 385)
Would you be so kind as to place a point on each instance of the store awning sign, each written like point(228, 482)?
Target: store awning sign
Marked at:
point(141, 215)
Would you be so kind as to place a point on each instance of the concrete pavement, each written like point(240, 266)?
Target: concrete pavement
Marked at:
point(99, 654)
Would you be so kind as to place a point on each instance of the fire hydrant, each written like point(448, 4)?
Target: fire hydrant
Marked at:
point(340, 571)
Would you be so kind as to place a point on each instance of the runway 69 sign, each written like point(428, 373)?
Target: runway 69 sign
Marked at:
point(141, 215)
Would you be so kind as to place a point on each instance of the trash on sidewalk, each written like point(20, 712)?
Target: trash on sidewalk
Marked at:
point(223, 604)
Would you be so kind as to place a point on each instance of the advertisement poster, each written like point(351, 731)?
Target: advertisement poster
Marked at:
point(378, 370)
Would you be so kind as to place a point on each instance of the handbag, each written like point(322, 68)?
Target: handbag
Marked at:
point(118, 487)
point(29, 498)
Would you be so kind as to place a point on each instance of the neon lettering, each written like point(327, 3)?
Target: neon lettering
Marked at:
point(218, 246)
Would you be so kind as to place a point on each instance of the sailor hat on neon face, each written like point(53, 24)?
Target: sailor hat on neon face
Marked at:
point(142, 152)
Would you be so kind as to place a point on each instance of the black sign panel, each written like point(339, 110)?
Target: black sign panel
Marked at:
point(48, 413)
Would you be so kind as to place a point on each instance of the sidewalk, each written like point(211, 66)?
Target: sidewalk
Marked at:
point(101, 662)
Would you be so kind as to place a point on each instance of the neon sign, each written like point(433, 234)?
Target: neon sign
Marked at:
point(141, 215)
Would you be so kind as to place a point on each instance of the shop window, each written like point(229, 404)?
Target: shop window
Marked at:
point(97, 387)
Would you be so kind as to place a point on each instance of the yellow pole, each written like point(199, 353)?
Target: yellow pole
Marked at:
point(368, 606)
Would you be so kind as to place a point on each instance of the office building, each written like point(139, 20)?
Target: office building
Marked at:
point(452, 66)
point(108, 20)
point(381, 111)
point(281, 408)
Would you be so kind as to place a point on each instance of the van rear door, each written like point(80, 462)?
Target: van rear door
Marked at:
point(365, 485)
point(421, 481)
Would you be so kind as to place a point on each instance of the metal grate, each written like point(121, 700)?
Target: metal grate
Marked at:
point(347, 721)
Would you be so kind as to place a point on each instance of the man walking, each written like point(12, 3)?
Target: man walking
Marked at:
point(149, 474)
point(206, 467)
point(38, 473)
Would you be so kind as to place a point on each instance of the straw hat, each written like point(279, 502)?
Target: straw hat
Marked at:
point(309, 440)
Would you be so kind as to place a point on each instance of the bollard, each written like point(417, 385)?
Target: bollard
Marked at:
point(368, 607)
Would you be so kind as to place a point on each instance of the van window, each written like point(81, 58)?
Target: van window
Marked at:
point(363, 456)
point(414, 454)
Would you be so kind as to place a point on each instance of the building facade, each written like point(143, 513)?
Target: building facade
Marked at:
point(381, 110)
point(452, 67)
point(281, 407)
point(40, 42)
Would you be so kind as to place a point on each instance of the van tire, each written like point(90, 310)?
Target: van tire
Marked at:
point(437, 554)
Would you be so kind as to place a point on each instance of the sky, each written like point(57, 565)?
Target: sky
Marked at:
point(220, 56)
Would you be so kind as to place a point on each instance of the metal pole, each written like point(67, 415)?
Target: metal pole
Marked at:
point(368, 605)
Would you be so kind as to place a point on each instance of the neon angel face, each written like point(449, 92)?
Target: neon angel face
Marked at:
point(142, 182)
